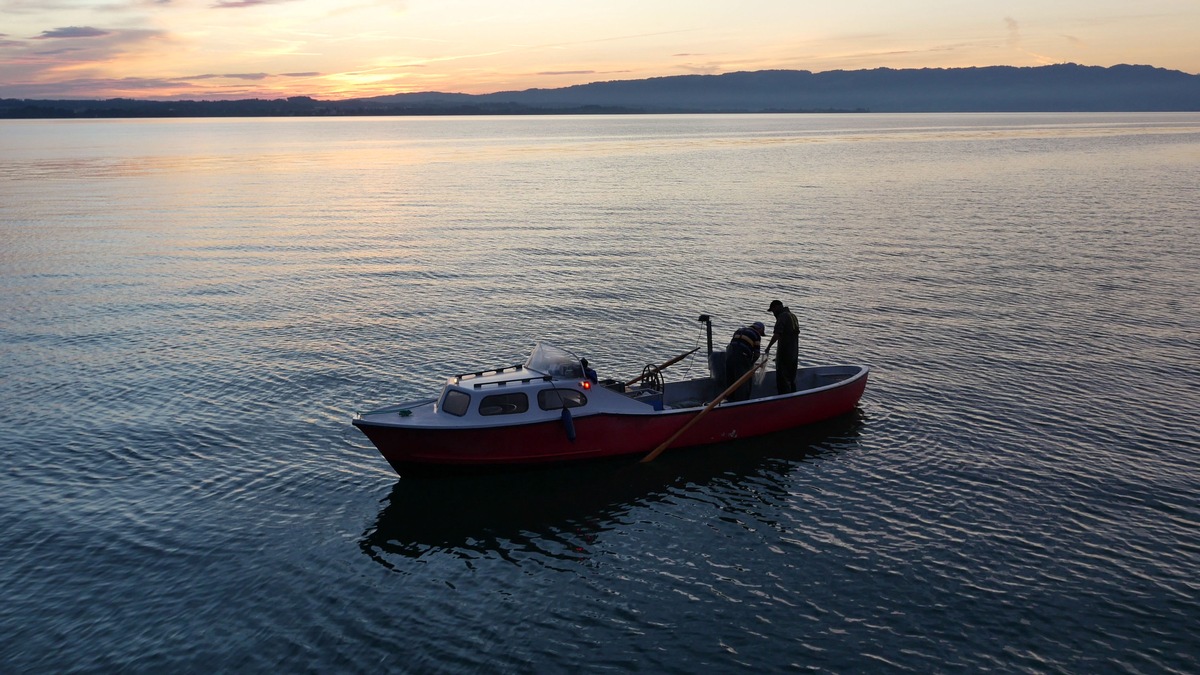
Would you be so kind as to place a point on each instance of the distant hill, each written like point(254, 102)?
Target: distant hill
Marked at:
point(1058, 88)
point(992, 89)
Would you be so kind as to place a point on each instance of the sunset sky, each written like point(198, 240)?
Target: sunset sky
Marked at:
point(332, 49)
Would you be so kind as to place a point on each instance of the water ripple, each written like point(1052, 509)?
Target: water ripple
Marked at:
point(186, 334)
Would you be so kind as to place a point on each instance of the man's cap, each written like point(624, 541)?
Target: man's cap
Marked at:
point(759, 327)
point(775, 304)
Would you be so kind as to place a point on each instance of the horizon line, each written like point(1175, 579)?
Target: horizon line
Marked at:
point(585, 84)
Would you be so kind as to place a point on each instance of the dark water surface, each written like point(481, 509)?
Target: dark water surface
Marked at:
point(191, 311)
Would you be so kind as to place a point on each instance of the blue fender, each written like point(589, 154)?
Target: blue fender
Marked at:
point(568, 424)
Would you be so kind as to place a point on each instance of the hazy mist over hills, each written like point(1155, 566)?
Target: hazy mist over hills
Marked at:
point(1057, 88)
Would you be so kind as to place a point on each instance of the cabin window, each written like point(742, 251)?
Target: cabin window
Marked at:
point(456, 402)
point(504, 404)
point(553, 399)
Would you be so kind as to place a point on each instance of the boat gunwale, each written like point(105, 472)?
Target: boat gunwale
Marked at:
point(403, 423)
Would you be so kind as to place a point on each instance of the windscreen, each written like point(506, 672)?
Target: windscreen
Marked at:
point(555, 362)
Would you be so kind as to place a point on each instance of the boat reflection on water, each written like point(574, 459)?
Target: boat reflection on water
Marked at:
point(560, 512)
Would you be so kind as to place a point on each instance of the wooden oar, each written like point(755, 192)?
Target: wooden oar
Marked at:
point(715, 402)
point(673, 361)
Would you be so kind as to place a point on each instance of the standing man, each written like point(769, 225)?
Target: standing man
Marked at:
point(741, 355)
point(787, 359)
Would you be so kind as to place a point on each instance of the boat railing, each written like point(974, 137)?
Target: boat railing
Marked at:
point(481, 373)
point(512, 380)
point(519, 368)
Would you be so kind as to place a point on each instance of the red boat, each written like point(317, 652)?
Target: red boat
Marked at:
point(547, 410)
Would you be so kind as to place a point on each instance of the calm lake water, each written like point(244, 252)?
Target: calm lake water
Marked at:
point(192, 310)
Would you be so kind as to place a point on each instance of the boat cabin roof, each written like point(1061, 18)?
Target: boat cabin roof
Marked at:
point(545, 363)
point(550, 379)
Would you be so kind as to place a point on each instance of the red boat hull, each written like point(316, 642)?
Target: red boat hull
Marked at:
point(605, 435)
